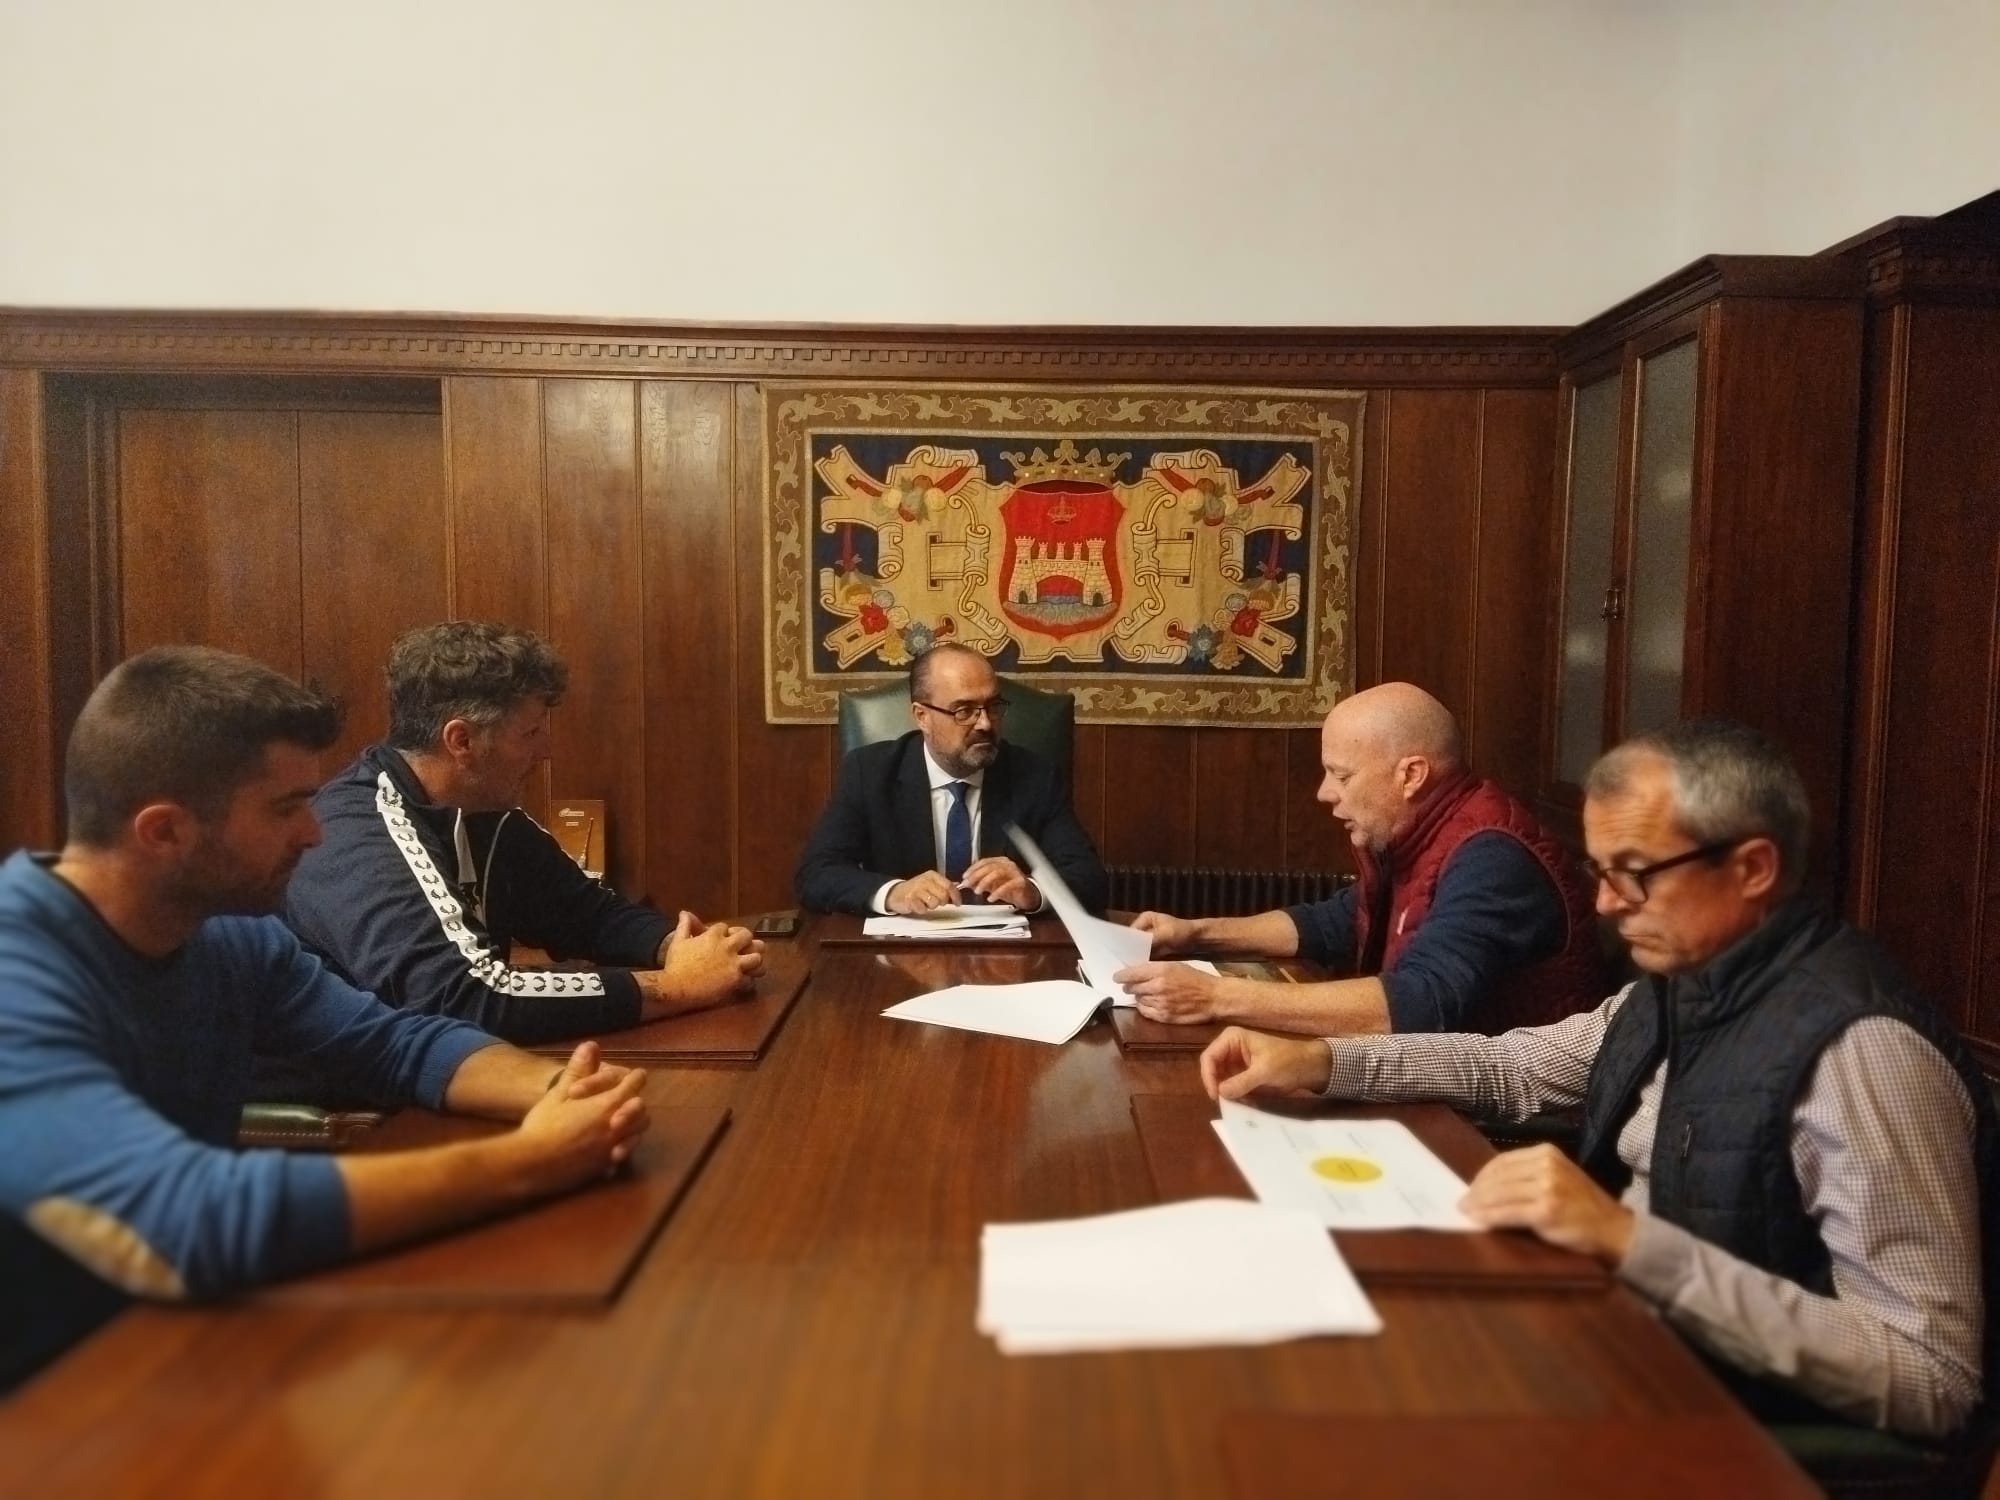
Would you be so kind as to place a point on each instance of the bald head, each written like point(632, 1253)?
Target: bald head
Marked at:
point(1383, 751)
point(1399, 719)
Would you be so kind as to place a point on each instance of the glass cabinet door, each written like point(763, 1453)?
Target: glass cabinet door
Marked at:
point(1593, 486)
point(1662, 510)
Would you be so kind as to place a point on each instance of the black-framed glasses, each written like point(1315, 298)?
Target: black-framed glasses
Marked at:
point(1629, 885)
point(995, 710)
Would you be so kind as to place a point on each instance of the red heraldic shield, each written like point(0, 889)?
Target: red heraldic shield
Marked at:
point(1059, 568)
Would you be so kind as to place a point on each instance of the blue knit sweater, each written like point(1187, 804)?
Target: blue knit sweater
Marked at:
point(121, 1082)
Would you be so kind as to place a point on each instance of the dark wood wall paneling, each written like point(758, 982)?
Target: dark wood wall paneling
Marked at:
point(27, 759)
point(298, 521)
point(622, 516)
point(1923, 832)
point(208, 530)
point(692, 616)
point(1785, 376)
point(591, 516)
point(373, 531)
point(496, 541)
point(1513, 611)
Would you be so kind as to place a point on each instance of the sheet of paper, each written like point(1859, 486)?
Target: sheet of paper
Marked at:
point(1180, 1275)
point(1046, 1010)
point(1104, 947)
point(951, 934)
point(1350, 1174)
point(947, 922)
point(1122, 998)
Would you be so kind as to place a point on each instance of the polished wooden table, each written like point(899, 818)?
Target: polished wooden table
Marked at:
point(803, 1322)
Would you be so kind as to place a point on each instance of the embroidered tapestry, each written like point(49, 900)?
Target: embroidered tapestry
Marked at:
point(1162, 553)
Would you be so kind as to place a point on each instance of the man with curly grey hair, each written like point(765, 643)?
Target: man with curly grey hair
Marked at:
point(429, 873)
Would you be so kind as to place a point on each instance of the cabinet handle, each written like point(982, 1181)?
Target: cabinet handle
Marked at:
point(1614, 604)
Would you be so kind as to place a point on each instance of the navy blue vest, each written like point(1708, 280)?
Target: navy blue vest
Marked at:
point(1741, 1039)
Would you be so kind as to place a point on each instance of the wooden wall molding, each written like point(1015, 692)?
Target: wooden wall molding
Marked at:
point(319, 343)
point(1903, 272)
point(1953, 258)
point(1703, 281)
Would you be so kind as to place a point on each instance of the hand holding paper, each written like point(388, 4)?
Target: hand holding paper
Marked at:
point(1104, 947)
point(1180, 992)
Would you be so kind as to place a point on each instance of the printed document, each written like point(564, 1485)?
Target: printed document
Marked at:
point(1350, 1174)
point(982, 922)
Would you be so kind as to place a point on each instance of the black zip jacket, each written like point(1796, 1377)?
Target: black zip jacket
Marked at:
point(421, 904)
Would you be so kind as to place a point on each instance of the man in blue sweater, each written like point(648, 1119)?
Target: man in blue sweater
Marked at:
point(138, 970)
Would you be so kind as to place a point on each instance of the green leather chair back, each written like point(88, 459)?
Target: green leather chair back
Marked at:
point(1851, 1463)
point(1039, 721)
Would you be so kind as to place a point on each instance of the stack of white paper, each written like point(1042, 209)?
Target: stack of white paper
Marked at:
point(982, 922)
point(1043, 1010)
point(1348, 1174)
point(1183, 1275)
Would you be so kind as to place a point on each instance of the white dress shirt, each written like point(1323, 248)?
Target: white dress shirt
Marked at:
point(941, 783)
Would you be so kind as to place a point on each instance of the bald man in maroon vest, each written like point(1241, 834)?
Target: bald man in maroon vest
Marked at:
point(1467, 915)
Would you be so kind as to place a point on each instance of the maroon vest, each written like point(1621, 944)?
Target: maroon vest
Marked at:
point(1570, 980)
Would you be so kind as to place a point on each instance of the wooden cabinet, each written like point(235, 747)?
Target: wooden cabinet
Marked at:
point(1707, 475)
point(1923, 831)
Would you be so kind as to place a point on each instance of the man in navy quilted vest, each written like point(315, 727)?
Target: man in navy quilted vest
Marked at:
point(1784, 1149)
point(1467, 914)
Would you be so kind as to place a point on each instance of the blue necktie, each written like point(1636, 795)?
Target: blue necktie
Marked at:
point(957, 834)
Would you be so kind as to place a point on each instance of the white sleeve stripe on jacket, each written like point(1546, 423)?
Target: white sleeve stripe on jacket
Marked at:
point(481, 961)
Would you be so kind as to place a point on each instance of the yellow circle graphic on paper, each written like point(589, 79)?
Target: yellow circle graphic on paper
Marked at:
point(1349, 1169)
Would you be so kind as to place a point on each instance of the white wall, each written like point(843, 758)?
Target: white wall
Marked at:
point(942, 161)
point(1805, 121)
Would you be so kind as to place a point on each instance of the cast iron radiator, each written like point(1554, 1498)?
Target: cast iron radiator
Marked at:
point(1201, 891)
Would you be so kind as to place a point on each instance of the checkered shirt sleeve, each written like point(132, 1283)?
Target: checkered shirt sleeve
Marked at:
point(1507, 1077)
point(1882, 1145)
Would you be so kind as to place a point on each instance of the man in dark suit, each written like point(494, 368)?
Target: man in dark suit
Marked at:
point(917, 822)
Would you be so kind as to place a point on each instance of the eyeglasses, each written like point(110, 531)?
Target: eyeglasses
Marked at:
point(1629, 886)
point(995, 710)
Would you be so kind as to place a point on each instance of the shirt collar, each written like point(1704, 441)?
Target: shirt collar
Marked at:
point(940, 777)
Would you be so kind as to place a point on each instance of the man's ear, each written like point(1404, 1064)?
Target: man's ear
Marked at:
point(1413, 774)
point(163, 830)
point(455, 739)
point(1757, 860)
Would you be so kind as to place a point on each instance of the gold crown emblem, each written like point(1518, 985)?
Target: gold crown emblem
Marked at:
point(1065, 463)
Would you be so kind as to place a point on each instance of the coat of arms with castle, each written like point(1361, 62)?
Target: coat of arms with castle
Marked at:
point(1167, 559)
